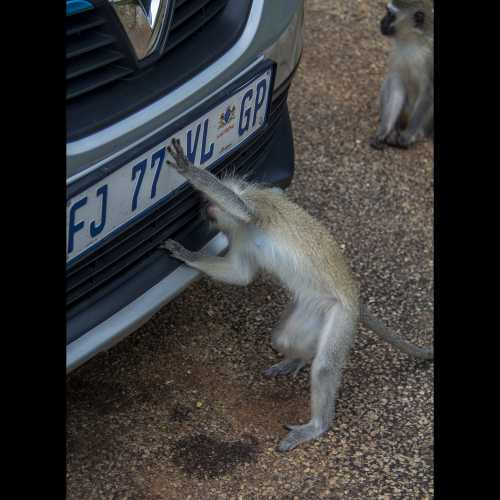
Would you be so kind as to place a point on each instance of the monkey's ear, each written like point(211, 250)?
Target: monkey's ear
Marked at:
point(419, 18)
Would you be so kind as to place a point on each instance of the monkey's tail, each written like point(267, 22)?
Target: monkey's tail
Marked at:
point(400, 343)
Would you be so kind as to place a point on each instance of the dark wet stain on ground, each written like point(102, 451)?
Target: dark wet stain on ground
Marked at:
point(203, 456)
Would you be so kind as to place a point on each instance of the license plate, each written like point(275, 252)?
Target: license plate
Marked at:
point(100, 211)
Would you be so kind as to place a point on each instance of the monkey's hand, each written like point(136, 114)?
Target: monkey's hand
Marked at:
point(178, 251)
point(182, 164)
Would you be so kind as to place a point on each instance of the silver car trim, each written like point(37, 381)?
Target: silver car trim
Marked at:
point(286, 51)
point(143, 24)
point(127, 320)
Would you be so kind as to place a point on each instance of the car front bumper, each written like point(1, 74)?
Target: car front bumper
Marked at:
point(130, 301)
point(276, 169)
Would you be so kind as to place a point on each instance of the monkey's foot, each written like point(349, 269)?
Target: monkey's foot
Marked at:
point(405, 140)
point(285, 367)
point(177, 250)
point(377, 143)
point(300, 434)
point(398, 143)
point(393, 138)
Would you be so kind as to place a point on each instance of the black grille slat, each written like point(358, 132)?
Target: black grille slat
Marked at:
point(183, 13)
point(93, 56)
point(194, 23)
point(165, 222)
point(90, 62)
point(83, 23)
point(77, 46)
point(95, 79)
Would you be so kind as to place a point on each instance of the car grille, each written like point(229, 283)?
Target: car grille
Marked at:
point(190, 16)
point(106, 83)
point(168, 221)
point(94, 55)
point(98, 52)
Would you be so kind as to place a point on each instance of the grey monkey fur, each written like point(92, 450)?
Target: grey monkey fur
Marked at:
point(268, 232)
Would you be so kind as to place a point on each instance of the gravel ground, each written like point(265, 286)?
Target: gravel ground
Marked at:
point(180, 409)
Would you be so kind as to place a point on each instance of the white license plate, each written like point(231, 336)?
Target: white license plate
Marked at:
point(100, 211)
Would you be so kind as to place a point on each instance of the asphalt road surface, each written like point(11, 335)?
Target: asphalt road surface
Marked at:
point(180, 409)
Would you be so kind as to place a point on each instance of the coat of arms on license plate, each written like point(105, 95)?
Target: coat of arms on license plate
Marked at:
point(227, 117)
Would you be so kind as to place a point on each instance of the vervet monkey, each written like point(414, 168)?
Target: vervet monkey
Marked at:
point(407, 96)
point(268, 232)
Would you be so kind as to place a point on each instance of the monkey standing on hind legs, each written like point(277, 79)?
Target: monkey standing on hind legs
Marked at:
point(407, 96)
point(269, 232)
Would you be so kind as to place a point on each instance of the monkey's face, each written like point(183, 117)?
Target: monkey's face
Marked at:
point(400, 20)
point(419, 20)
point(217, 218)
point(208, 210)
point(387, 27)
